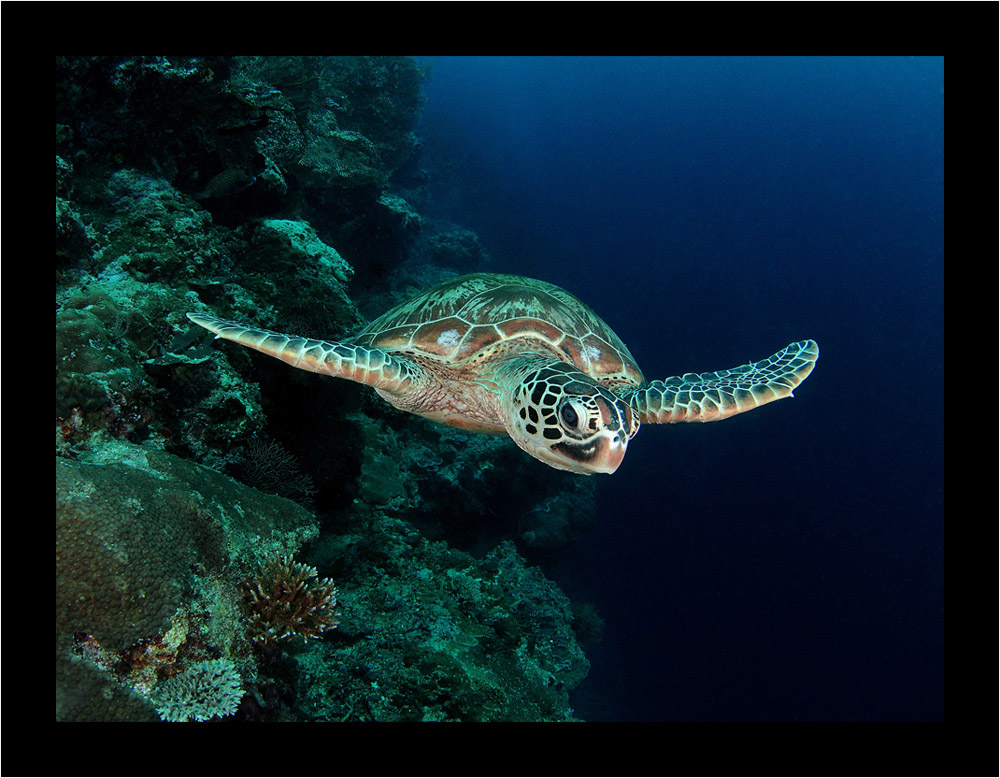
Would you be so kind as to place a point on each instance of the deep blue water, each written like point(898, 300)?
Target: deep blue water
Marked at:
point(786, 564)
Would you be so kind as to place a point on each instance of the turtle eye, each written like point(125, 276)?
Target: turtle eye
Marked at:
point(569, 416)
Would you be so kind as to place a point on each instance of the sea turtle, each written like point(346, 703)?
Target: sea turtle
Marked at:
point(513, 356)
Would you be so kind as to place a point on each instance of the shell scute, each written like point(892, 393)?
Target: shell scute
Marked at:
point(440, 338)
point(599, 356)
point(393, 339)
point(478, 339)
point(532, 327)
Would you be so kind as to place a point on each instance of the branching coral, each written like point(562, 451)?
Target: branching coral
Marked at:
point(284, 602)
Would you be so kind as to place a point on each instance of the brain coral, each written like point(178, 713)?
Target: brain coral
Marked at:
point(125, 544)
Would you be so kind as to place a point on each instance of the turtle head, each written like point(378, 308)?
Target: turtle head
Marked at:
point(569, 421)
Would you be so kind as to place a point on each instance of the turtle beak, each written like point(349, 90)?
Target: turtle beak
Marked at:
point(610, 454)
point(612, 444)
point(600, 454)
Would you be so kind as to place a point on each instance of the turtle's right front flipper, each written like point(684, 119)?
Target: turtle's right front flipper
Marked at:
point(724, 393)
point(369, 366)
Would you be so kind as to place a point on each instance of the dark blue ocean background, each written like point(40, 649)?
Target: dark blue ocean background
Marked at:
point(786, 564)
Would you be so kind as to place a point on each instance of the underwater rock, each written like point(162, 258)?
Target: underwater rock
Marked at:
point(73, 241)
point(432, 634)
point(155, 113)
point(92, 368)
point(64, 177)
point(552, 652)
point(286, 265)
point(342, 158)
point(456, 247)
point(119, 374)
point(324, 122)
point(401, 214)
point(472, 490)
point(380, 97)
point(158, 233)
point(355, 115)
point(280, 141)
point(288, 243)
point(271, 179)
point(562, 515)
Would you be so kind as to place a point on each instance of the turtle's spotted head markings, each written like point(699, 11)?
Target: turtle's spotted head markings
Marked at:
point(568, 421)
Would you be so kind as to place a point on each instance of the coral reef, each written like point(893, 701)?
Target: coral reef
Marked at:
point(286, 192)
point(286, 263)
point(434, 634)
point(144, 575)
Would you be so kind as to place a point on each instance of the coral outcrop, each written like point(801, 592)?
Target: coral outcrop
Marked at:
point(434, 634)
point(143, 536)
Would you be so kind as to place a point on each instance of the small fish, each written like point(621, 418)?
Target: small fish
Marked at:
point(226, 184)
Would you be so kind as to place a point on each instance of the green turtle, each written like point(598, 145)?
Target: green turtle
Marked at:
point(507, 355)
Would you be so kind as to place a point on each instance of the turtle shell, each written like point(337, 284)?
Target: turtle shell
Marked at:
point(468, 319)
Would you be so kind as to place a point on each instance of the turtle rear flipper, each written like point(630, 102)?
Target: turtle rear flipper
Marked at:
point(719, 395)
point(369, 366)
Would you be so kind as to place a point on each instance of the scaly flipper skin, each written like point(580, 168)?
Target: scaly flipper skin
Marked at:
point(719, 395)
point(370, 366)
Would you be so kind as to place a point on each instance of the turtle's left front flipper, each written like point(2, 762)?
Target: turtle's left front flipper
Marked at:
point(370, 366)
point(719, 395)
